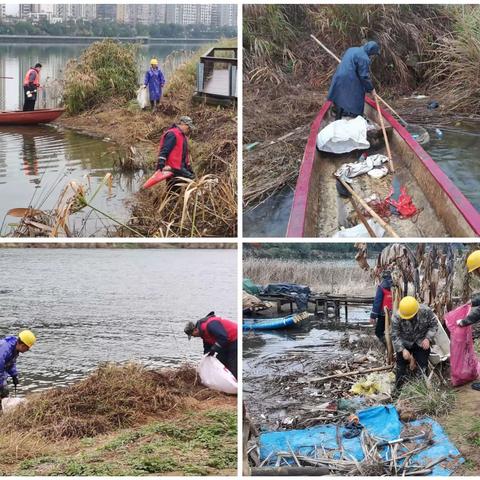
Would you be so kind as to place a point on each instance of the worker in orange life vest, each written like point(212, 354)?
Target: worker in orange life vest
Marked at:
point(31, 85)
point(383, 298)
point(219, 338)
point(173, 153)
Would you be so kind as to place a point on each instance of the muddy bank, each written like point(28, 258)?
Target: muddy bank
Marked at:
point(122, 420)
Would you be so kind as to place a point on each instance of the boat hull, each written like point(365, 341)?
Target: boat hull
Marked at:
point(446, 211)
point(30, 118)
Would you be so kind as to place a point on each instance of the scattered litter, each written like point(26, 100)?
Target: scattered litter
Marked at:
point(432, 105)
point(404, 205)
point(438, 133)
point(351, 170)
point(9, 404)
point(378, 172)
point(343, 136)
point(374, 383)
point(360, 231)
point(251, 146)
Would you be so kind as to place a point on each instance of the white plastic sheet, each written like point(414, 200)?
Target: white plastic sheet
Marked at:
point(214, 375)
point(143, 97)
point(343, 136)
point(359, 231)
point(9, 404)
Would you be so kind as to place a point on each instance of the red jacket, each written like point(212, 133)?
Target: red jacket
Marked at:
point(218, 330)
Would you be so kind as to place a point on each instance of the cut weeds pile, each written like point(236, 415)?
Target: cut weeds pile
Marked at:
point(122, 420)
point(206, 206)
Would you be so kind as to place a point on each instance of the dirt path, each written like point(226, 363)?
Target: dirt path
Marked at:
point(463, 427)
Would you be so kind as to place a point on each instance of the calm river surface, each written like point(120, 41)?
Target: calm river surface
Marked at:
point(456, 152)
point(38, 162)
point(90, 306)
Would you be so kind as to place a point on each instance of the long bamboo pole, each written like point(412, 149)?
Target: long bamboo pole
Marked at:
point(385, 137)
point(370, 210)
point(338, 60)
point(347, 374)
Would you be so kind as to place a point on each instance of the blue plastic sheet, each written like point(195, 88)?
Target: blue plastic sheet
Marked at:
point(382, 422)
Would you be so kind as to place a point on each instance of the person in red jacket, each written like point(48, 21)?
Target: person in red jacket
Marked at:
point(173, 154)
point(219, 337)
point(383, 298)
point(31, 85)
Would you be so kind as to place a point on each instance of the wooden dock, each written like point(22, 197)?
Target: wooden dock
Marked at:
point(217, 77)
point(324, 304)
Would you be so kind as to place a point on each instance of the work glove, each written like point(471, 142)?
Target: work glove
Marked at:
point(15, 380)
point(459, 323)
point(215, 349)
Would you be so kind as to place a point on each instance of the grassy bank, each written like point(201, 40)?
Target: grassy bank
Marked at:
point(206, 206)
point(122, 420)
point(321, 277)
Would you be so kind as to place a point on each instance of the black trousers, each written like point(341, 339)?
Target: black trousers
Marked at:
point(403, 369)
point(380, 328)
point(228, 356)
point(28, 102)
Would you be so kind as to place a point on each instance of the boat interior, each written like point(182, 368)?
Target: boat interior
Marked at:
point(328, 211)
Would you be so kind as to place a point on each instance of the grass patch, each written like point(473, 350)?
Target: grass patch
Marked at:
point(428, 399)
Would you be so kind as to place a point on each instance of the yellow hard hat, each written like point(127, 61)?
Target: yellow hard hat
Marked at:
point(153, 61)
point(408, 307)
point(27, 337)
point(473, 261)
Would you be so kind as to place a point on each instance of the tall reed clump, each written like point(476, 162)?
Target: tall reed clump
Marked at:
point(277, 40)
point(106, 70)
point(320, 276)
point(456, 62)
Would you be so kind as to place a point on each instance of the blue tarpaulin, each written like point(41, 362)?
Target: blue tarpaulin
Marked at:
point(381, 422)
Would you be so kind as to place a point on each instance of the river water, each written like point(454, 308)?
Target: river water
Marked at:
point(456, 152)
point(89, 306)
point(37, 162)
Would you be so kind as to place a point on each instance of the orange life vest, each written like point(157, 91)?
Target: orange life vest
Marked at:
point(36, 80)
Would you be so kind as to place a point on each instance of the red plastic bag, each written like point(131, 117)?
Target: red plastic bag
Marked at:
point(464, 363)
point(404, 205)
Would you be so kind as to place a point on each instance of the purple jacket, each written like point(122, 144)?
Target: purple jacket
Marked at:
point(8, 358)
point(155, 81)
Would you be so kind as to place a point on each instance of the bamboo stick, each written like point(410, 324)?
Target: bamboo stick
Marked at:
point(346, 374)
point(382, 124)
point(370, 210)
point(362, 218)
point(388, 337)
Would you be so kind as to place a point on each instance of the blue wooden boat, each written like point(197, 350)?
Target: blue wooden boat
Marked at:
point(274, 323)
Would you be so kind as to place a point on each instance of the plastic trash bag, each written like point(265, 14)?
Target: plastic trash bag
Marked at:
point(464, 363)
point(9, 404)
point(343, 136)
point(359, 231)
point(213, 374)
point(143, 97)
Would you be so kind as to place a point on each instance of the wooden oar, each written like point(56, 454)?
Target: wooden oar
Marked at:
point(338, 60)
point(385, 137)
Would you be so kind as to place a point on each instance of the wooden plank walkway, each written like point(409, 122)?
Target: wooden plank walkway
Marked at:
point(218, 83)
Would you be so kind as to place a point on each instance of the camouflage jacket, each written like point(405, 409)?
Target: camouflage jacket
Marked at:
point(407, 333)
point(474, 315)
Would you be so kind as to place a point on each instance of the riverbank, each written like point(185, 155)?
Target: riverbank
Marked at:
point(123, 420)
point(206, 206)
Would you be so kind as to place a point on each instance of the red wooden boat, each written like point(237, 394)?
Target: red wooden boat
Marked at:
point(30, 118)
point(444, 210)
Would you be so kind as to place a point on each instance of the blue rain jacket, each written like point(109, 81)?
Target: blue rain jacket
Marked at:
point(8, 358)
point(155, 80)
point(352, 78)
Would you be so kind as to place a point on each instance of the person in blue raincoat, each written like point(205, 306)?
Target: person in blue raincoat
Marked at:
point(352, 80)
point(10, 348)
point(155, 81)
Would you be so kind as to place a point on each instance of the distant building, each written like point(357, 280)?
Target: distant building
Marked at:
point(3, 11)
point(224, 15)
point(106, 12)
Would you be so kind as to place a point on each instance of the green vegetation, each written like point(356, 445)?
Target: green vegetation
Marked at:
point(428, 398)
point(123, 420)
point(106, 70)
point(101, 28)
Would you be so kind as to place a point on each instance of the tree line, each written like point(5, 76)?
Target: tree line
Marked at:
point(101, 28)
